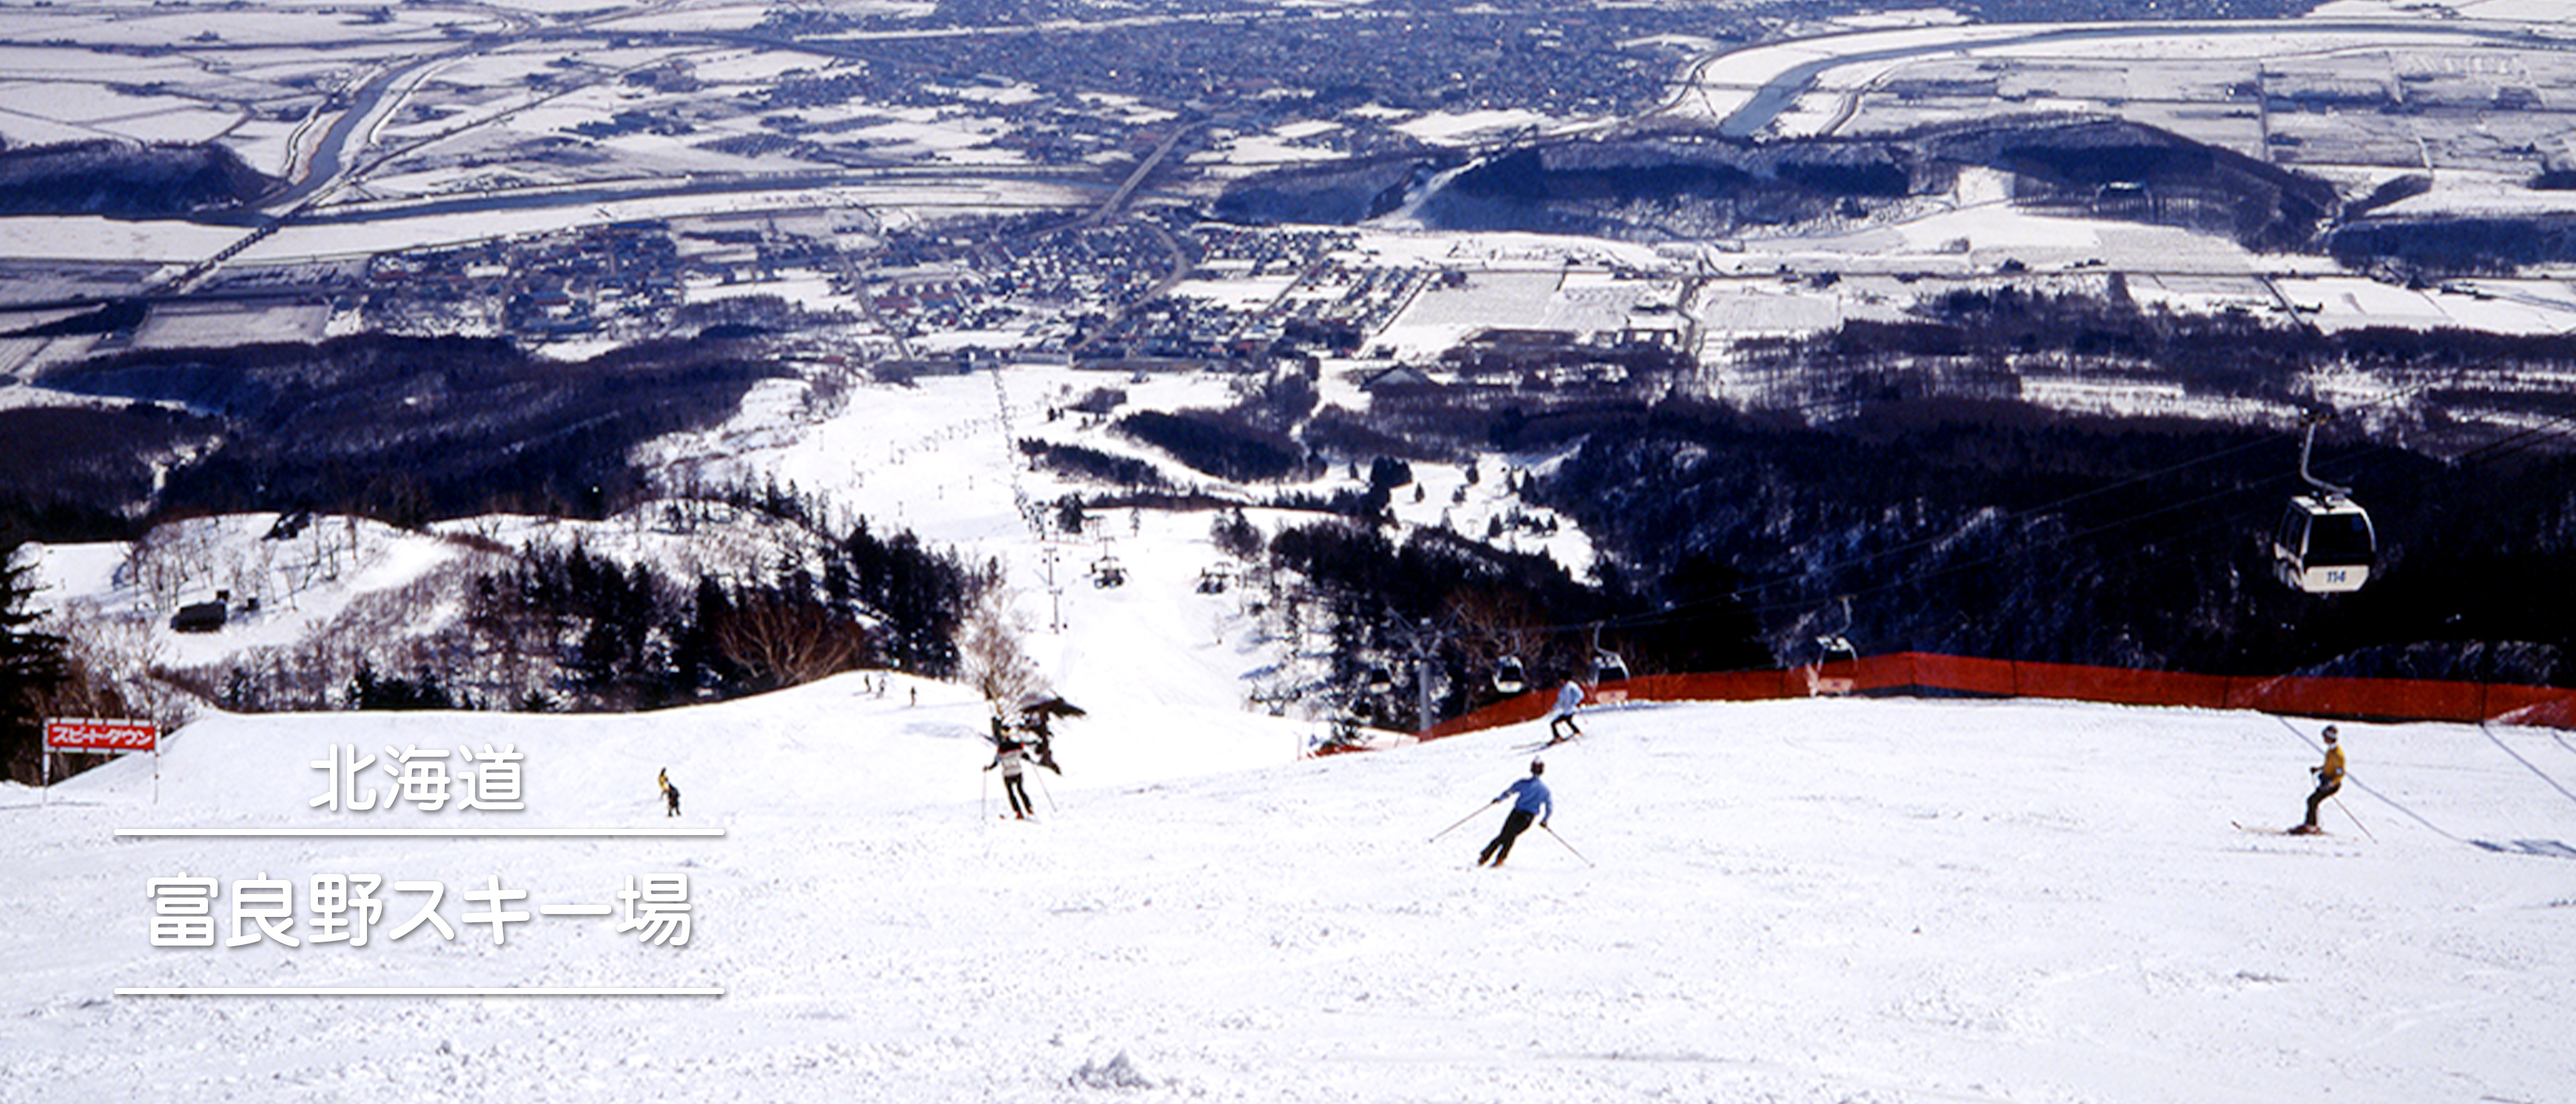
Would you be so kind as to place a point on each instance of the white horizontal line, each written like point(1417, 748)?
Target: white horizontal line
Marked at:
point(425, 991)
point(576, 910)
point(431, 833)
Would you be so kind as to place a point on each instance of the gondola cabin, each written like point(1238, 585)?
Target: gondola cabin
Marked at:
point(1836, 670)
point(2325, 545)
point(1608, 667)
point(1509, 676)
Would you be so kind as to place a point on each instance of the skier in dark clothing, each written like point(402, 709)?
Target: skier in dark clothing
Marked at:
point(1011, 755)
point(1534, 803)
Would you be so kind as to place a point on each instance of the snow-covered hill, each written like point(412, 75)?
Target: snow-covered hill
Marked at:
point(938, 457)
point(1808, 900)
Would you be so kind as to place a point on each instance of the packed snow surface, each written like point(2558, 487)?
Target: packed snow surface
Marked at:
point(1820, 900)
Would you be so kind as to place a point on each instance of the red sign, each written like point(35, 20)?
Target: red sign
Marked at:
point(94, 735)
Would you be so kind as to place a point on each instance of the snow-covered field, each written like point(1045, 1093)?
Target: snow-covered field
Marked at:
point(1811, 86)
point(1812, 900)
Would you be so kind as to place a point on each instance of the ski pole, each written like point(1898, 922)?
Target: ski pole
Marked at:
point(1462, 821)
point(1561, 839)
point(1050, 794)
point(2356, 821)
point(984, 797)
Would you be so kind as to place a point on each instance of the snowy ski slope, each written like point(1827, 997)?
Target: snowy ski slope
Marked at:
point(1799, 901)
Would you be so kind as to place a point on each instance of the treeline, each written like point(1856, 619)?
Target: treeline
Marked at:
point(1464, 608)
point(1895, 464)
point(407, 430)
point(2459, 246)
point(1093, 464)
point(1981, 345)
point(1662, 189)
point(1993, 531)
point(1221, 444)
point(85, 473)
point(115, 177)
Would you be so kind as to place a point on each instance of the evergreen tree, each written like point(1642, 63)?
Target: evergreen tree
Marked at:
point(424, 691)
point(697, 658)
point(31, 666)
point(1236, 535)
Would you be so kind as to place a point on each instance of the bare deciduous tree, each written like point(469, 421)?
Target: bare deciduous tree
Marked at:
point(169, 560)
point(784, 643)
point(1495, 625)
point(115, 668)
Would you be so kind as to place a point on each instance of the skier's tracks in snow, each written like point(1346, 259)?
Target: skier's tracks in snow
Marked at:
point(2517, 757)
point(1881, 1082)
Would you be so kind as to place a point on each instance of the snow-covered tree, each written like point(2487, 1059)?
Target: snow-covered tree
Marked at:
point(989, 651)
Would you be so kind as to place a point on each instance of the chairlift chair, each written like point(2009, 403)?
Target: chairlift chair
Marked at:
point(1106, 572)
point(2325, 543)
point(1509, 676)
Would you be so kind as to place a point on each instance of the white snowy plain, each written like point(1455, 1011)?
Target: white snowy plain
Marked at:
point(1825, 900)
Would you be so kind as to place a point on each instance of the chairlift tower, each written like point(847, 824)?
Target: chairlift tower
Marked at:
point(1421, 646)
point(1048, 554)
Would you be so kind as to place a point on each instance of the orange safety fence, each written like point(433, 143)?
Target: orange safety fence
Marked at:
point(1926, 674)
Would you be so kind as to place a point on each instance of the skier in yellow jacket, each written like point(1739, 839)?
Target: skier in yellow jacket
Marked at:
point(2329, 779)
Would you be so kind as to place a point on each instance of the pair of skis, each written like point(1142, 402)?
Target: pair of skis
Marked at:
point(2309, 830)
point(2241, 826)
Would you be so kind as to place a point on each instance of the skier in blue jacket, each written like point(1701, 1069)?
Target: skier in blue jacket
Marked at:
point(1534, 804)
